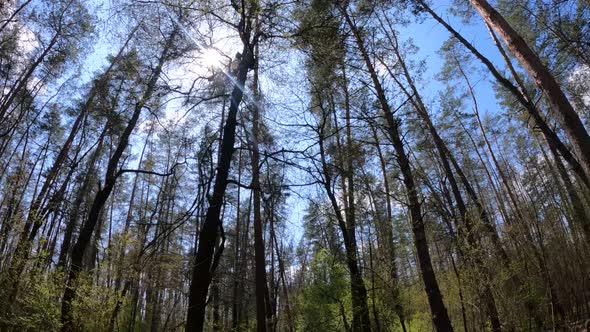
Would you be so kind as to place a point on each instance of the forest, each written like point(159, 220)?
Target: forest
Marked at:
point(295, 165)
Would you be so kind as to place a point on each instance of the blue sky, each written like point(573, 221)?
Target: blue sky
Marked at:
point(429, 36)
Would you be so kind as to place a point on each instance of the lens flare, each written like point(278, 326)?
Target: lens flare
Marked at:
point(211, 58)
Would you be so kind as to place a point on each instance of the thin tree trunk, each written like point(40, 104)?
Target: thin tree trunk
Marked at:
point(360, 310)
point(216, 316)
point(259, 253)
point(14, 14)
point(362, 323)
point(123, 245)
point(102, 195)
point(550, 135)
point(236, 301)
point(440, 316)
point(388, 233)
point(443, 153)
point(543, 78)
point(8, 98)
point(35, 219)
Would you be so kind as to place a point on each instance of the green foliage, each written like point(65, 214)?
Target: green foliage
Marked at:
point(94, 305)
point(37, 306)
point(142, 246)
point(320, 35)
point(324, 303)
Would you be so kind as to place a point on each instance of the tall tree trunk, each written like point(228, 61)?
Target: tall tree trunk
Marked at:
point(12, 16)
point(259, 253)
point(236, 299)
point(35, 218)
point(580, 213)
point(78, 202)
point(123, 245)
point(361, 322)
point(8, 98)
point(543, 78)
point(290, 322)
point(360, 310)
point(388, 232)
point(472, 239)
point(440, 316)
point(550, 135)
point(579, 210)
point(102, 195)
point(203, 267)
point(216, 315)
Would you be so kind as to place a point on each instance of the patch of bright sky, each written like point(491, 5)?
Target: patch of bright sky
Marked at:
point(201, 62)
point(428, 36)
point(104, 44)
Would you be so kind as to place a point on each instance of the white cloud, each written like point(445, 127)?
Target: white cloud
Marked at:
point(580, 83)
point(27, 40)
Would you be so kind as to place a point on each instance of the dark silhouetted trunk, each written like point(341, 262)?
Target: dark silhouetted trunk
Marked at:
point(472, 239)
point(203, 265)
point(259, 255)
point(35, 218)
point(387, 230)
point(103, 194)
point(360, 310)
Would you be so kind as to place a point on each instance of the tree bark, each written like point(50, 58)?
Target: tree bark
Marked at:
point(543, 78)
point(440, 316)
point(102, 195)
point(550, 135)
point(472, 239)
point(360, 310)
point(202, 271)
point(259, 253)
point(35, 218)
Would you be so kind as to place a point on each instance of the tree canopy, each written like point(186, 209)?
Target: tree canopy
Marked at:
point(309, 165)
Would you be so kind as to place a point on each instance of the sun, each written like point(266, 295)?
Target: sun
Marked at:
point(211, 58)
